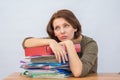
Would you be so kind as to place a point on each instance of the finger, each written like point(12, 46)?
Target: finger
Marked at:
point(56, 55)
point(66, 57)
point(59, 58)
point(63, 59)
point(63, 55)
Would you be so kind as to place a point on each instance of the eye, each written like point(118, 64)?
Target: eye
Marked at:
point(66, 25)
point(57, 28)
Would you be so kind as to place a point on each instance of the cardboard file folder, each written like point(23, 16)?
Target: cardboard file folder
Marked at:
point(45, 50)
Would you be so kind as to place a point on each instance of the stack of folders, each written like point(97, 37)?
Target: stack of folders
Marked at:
point(40, 62)
point(45, 67)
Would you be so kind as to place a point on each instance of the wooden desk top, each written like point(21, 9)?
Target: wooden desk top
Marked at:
point(99, 76)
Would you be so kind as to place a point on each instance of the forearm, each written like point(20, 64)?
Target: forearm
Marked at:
point(74, 61)
point(33, 42)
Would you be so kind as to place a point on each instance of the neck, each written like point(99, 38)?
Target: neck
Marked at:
point(78, 40)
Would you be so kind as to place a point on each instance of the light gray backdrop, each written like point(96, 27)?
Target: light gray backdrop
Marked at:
point(100, 19)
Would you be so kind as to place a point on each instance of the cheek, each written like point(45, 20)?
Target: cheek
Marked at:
point(71, 34)
point(56, 34)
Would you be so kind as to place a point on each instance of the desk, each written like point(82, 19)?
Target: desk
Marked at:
point(99, 76)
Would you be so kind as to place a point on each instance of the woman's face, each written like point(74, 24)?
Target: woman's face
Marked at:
point(63, 30)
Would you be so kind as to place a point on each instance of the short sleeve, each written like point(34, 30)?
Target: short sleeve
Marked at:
point(23, 43)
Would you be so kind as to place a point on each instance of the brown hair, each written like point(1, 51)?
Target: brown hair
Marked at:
point(69, 17)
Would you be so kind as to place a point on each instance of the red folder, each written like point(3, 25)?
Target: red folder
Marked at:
point(45, 50)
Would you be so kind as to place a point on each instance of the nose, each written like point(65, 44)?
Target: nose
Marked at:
point(62, 30)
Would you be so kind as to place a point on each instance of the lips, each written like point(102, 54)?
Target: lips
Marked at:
point(64, 37)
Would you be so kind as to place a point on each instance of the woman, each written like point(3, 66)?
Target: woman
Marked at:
point(65, 29)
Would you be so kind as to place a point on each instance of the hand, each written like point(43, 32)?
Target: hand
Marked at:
point(66, 42)
point(58, 51)
point(69, 45)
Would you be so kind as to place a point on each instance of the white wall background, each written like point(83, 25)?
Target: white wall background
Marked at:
point(100, 19)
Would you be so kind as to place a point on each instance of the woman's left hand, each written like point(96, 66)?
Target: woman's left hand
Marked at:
point(66, 42)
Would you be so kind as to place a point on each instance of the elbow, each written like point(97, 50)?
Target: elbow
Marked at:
point(77, 74)
point(77, 71)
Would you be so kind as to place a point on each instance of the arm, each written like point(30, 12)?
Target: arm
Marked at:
point(33, 42)
point(81, 66)
point(74, 61)
point(56, 48)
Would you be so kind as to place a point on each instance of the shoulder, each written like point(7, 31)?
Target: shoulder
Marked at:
point(86, 40)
